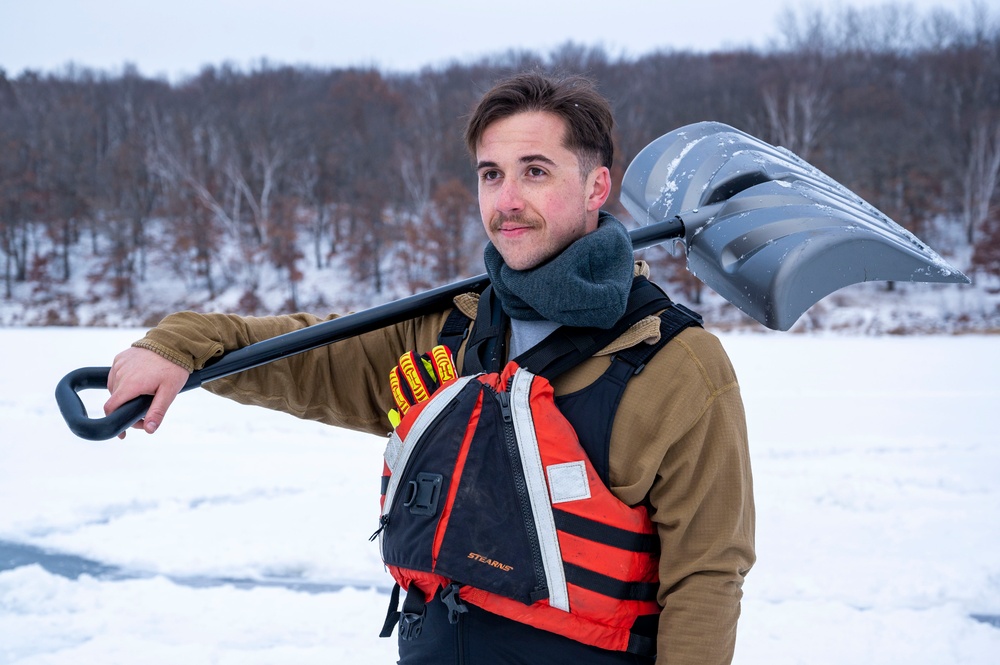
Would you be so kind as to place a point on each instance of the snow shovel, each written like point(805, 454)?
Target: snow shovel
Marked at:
point(766, 230)
point(763, 228)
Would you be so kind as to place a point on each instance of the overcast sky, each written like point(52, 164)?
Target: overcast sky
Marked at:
point(175, 38)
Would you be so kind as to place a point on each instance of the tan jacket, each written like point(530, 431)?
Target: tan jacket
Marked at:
point(679, 440)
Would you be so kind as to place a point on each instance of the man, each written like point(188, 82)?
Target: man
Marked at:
point(675, 444)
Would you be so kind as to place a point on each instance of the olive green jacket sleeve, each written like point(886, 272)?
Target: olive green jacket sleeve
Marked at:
point(343, 384)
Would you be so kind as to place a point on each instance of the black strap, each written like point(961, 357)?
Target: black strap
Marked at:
point(673, 320)
point(392, 614)
point(610, 586)
point(606, 534)
point(411, 618)
point(643, 645)
point(454, 331)
point(485, 349)
point(567, 347)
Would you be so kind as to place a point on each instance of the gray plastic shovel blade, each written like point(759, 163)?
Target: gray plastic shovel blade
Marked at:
point(766, 230)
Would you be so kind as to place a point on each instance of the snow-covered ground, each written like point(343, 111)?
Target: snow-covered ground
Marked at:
point(235, 535)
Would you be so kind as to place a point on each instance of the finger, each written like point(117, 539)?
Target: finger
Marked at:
point(416, 376)
point(119, 369)
point(115, 401)
point(444, 366)
point(135, 425)
point(427, 374)
point(122, 394)
point(398, 394)
point(157, 410)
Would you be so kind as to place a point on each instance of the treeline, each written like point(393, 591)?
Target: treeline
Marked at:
point(233, 175)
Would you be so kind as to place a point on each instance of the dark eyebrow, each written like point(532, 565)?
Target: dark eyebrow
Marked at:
point(527, 159)
point(537, 158)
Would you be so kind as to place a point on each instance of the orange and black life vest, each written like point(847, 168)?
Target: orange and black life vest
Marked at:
point(490, 495)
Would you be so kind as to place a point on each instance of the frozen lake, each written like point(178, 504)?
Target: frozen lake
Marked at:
point(236, 535)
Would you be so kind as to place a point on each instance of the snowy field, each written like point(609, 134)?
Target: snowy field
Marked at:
point(237, 536)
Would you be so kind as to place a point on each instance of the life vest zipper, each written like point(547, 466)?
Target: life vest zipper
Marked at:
point(383, 521)
point(520, 485)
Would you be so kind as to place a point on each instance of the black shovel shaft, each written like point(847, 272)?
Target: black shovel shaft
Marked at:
point(98, 429)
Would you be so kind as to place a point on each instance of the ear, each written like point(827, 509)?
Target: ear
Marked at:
point(598, 188)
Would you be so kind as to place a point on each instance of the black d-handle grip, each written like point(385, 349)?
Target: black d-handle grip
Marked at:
point(75, 413)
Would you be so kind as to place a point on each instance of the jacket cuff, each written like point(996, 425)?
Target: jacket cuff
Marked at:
point(171, 355)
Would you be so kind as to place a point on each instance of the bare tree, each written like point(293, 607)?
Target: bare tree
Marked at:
point(234, 177)
point(797, 101)
point(979, 181)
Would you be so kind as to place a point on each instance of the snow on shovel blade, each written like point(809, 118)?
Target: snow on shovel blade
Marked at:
point(766, 230)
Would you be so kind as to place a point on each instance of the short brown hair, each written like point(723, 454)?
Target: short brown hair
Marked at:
point(575, 99)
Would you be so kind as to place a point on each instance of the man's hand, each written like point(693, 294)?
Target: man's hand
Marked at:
point(415, 379)
point(141, 372)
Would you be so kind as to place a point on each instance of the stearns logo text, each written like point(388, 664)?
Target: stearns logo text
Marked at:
point(490, 562)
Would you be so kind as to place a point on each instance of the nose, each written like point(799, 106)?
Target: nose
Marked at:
point(509, 199)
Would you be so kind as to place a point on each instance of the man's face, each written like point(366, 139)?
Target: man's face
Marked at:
point(532, 197)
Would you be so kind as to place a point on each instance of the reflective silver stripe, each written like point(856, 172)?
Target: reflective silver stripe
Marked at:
point(534, 476)
point(397, 452)
point(393, 449)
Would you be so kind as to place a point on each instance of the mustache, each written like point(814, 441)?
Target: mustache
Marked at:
point(519, 219)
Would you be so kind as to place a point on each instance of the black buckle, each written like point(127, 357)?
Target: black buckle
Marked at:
point(411, 620)
point(423, 493)
point(411, 623)
point(451, 599)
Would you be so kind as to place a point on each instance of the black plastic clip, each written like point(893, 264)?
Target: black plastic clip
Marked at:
point(411, 619)
point(451, 599)
point(411, 623)
point(423, 493)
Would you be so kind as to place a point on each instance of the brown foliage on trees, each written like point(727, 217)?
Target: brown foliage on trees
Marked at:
point(251, 173)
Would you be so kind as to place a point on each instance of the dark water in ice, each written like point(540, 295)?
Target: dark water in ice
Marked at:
point(71, 566)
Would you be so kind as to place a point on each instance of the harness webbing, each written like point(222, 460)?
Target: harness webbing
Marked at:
point(673, 320)
point(567, 347)
point(606, 534)
point(487, 343)
point(609, 586)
